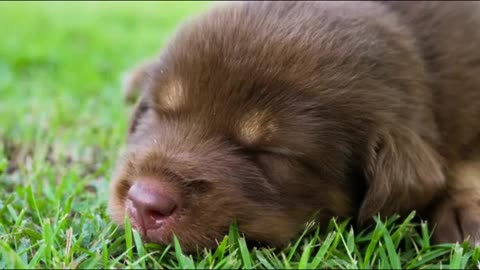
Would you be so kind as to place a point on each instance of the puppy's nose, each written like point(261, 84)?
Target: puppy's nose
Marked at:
point(148, 204)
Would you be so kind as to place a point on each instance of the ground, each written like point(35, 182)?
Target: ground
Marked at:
point(63, 122)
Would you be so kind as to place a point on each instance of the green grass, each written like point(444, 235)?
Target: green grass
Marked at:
point(63, 122)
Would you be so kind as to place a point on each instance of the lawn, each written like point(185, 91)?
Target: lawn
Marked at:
point(63, 122)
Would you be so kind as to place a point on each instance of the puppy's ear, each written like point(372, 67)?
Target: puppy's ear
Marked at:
point(135, 81)
point(403, 173)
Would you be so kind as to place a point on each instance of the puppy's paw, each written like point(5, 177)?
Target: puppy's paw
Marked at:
point(457, 220)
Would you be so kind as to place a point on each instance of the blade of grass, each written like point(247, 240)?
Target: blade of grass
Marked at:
point(303, 264)
point(384, 262)
point(221, 249)
point(422, 259)
point(184, 261)
point(391, 250)
point(244, 252)
point(323, 250)
point(11, 257)
point(140, 249)
point(425, 235)
point(377, 234)
point(128, 238)
point(293, 249)
point(286, 262)
point(305, 257)
point(400, 232)
point(263, 261)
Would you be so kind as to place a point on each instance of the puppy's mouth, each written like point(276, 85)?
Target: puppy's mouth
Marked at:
point(152, 210)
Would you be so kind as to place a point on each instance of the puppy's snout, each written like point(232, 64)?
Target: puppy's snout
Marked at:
point(149, 205)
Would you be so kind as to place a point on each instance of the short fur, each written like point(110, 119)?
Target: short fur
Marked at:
point(277, 113)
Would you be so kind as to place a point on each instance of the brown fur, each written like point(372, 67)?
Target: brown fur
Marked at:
point(274, 114)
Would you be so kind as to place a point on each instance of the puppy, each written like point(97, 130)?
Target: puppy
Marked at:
point(273, 114)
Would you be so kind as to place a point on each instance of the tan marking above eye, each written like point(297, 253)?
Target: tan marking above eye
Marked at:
point(172, 95)
point(256, 126)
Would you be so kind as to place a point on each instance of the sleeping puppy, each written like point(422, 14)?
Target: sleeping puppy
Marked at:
point(273, 114)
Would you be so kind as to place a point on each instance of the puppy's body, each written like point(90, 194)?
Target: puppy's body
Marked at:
point(448, 37)
point(272, 114)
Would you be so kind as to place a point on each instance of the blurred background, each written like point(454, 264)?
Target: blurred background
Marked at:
point(60, 63)
point(60, 70)
point(63, 120)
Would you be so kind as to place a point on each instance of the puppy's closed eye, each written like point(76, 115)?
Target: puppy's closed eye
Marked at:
point(275, 164)
point(141, 107)
point(198, 186)
point(262, 156)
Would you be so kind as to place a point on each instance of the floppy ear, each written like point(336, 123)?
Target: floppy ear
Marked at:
point(403, 172)
point(134, 81)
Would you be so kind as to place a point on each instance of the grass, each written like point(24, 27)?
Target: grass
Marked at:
point(62, 123)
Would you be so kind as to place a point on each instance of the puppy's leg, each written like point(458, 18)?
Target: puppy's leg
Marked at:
point(457, 218)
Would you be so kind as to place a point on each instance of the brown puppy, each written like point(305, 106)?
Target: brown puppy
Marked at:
point(277, 113)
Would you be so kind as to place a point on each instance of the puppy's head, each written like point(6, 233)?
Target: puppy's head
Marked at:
point(268, 132)
point(198, 159)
